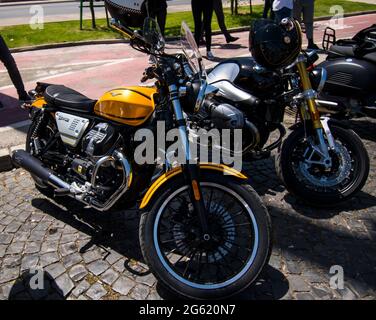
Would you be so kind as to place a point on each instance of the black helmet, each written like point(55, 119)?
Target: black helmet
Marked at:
point(275, 45)
point(130, 13)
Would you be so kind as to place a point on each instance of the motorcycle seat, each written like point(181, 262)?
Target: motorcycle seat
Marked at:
point(349, 51)
point(68, 99)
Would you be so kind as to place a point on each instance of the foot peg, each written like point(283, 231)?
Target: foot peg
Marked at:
point(61, 192)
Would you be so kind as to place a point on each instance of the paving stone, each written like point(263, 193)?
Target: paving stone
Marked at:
point(70, 237)
point(32, 247)
point(96, 291)
point(321, 293)
point(149, 279)
point(11, 261)
point(119, 266)
point(6, 238)
point(64, 284)
point(304, 296)
point(347, 294)
point(91, 256)
point(8, 274)
point(113, 257)
point(68, 248)
point(297, 284)
point(48, 258)
point(37, 235)
point(81, 288)
point(13, 227)
point(123, 285)
point(29, 262)
point(78, 272)
point(49, 246)
point(15, 247)
point(98, 267)
point(3, 249)
point(71, 260)
point(109, 276)
point(55, 269)
point(140, 292)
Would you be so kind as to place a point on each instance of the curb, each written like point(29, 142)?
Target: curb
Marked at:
point(114, 41)
point(5, 157)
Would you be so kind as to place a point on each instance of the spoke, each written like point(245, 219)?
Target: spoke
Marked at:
point(210, 199)
point(189, 261)
point(236, 225)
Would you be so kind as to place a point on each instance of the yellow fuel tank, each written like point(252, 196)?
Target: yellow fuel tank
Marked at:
point(130, 105)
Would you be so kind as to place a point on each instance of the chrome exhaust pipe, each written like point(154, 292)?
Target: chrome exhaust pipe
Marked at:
point(33, 165)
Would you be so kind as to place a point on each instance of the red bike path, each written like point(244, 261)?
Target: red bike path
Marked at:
point(94, 69)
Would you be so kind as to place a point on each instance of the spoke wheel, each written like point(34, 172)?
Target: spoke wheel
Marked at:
point(194, 265)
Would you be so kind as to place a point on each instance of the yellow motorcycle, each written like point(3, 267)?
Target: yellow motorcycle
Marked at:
point(204, 231)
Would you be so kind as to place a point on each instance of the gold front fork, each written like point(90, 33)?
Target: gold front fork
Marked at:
point(309, 94)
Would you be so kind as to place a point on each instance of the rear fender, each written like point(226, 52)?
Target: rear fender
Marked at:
point(161, 181)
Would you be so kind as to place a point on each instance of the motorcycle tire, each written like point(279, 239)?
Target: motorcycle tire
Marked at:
point(323, 196)
point(244, 272)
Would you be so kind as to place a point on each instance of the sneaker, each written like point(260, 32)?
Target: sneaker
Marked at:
point(231, 39)
point(313, 46)
point(210, 55)
point(25, 100)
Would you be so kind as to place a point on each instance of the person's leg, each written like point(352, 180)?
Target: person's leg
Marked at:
point(161, 17)
point(218, 9)
point(271, 9)
point(208, 14)
point(308, 13)
point(297, 11)
point(10, 64)
point(197, 18)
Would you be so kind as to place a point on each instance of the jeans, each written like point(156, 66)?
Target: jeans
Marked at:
point(283, 13)
point(9, 63)
point(202, 15)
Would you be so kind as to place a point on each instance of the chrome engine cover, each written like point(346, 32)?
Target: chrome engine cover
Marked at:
point(71, 127)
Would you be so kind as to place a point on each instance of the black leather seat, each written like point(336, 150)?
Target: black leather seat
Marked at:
point(68, 99)
point(348, 51)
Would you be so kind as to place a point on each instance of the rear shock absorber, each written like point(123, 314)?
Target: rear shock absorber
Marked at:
point(36, 145)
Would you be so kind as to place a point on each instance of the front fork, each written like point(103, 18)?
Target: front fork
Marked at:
point(191, 171)
point(320, 124)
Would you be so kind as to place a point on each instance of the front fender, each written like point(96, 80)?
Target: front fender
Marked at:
point(177, 171)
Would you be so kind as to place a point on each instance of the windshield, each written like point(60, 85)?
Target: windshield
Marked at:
point(191, 50)
point(153, 35)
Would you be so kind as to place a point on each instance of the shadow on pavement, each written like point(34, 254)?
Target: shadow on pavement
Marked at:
point(271, 285)
point(36, 286)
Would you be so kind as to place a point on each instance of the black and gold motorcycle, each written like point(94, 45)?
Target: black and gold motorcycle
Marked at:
point(321, 161)
point(204, 231)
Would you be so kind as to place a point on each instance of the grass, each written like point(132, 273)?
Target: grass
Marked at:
point(67, 31)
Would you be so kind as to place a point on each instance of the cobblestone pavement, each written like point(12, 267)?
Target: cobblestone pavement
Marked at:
point(90, 255)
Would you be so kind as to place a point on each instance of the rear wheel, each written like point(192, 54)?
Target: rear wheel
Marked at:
point(297, 166)
point(218, 267)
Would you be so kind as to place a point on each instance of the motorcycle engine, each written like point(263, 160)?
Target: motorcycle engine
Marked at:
point(97, 143)
point(99, 140)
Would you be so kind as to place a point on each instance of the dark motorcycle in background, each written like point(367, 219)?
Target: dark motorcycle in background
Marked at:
point(321, 161)
point(349, 89)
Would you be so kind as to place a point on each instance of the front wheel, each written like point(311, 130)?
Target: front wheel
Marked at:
point(215, 268)
point(300, 170)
